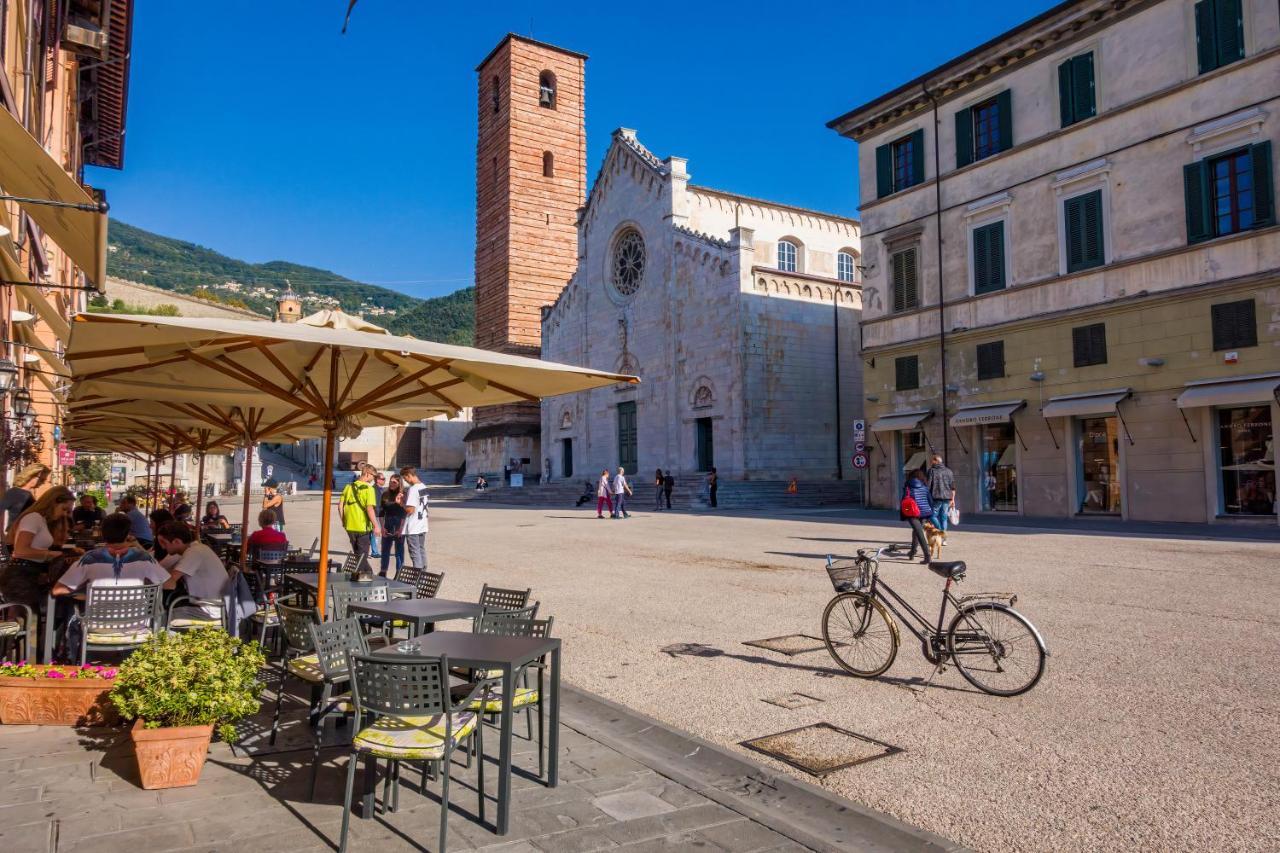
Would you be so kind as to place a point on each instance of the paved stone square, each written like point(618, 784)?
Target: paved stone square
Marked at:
point(1156, 726)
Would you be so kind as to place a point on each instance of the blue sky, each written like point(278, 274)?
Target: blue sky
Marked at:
point(257, 129)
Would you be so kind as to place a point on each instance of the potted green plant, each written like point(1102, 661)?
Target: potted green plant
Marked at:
point(176, 689)
point(38, 695)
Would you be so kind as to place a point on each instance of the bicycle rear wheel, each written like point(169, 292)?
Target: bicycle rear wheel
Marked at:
point(860, 634)
point(996, 649)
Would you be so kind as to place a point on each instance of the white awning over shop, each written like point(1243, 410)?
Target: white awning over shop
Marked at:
point(986, 413)
point(1082, 405)
point(1229, 392)
point(900, 421)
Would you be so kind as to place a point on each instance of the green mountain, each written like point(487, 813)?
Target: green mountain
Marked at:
point(177, 265)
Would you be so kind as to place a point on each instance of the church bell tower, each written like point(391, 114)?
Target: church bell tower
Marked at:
point(530, 181)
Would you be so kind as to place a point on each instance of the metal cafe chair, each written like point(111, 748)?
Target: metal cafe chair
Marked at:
point(504, 599)
point(119, 618)
point(404, 713)
point(17, 630)
point(299, 658)
point(332, 642)
point(428, 583)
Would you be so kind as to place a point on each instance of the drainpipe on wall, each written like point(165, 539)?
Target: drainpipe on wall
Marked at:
point(942, 298)
point(835, 325)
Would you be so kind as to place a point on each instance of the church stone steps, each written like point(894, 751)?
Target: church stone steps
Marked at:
point(689, 494)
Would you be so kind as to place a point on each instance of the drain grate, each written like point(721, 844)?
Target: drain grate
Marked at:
point(821, 748)
point(791, 701)
point(790, 645)
point(696, 650)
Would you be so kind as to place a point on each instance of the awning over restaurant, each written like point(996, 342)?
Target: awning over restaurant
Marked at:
point(900, 421)
point(12, 271)
point(986, 413)
point(57, 365)
point(1229, 392)
point(1082, 405)
point(75, 222)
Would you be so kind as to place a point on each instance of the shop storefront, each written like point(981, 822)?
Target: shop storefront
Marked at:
point(1241, 417)
point(995, 442)
point(1095, 435)
point(911, 447)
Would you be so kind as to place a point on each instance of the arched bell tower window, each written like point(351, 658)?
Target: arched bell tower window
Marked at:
point(547, 90)
point(497, 94)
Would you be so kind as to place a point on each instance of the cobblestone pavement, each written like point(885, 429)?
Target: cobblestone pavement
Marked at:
point(1157, 725)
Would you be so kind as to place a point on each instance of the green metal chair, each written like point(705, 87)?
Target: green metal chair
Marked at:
point(333, 641)
point(119, 618)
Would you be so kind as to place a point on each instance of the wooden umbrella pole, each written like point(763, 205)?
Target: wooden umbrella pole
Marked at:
point(326, 511)
point(195, 509)
point(173, 479)
point(249, 444)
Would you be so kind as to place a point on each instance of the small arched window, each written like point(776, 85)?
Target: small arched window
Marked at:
point(786, 256)
point(497, 95)
point(547, 90)
point(548, 164)
point(846, 266)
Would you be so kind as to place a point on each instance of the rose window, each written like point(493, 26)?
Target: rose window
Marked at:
point(628, 263)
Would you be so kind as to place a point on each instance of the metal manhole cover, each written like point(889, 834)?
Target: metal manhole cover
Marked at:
point(696, 650)
point(791, 644)
point(821, 748)
point(791, 701)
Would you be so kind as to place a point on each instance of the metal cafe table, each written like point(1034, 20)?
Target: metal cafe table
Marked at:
point(310, 581)
point(489, 651)
point(421, 613)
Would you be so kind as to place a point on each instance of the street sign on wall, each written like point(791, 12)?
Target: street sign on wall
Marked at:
point(66, 456)
point(859, 460)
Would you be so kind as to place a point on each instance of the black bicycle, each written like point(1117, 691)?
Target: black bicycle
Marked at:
point(995, 647)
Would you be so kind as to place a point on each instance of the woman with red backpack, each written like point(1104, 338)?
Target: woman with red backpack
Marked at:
point(914, 509)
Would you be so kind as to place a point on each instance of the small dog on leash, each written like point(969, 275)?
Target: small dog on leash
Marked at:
point(935, 536)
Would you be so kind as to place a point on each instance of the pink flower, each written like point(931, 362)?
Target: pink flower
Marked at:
point(54, 673)
point(108, 673)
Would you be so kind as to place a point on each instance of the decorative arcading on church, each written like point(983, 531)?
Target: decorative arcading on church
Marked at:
point(700, 236)
point(629, 140)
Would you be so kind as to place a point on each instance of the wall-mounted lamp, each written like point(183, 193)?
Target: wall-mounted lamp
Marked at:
point(19, 316)
point(22, 403)
point(953, 389)
point(1038, 376)
point(872, 398)
point(8, 374)
point(1151, 362)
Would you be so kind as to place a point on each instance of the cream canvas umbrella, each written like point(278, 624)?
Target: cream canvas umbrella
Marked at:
point(329, 370)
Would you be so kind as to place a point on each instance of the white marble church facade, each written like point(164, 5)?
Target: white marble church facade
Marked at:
point(738, 314)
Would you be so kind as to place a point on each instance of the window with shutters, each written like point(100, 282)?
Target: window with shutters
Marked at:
point(846, 265)
point(1077, 99)
point(900, 164)
point(786, 256)
point(991, 360)
point(1235, 325)
point(1229, 193)
point(1219, 33)
point(906, 372)
point(988, 258)
point(904, 280)
point(986, 129)
point(1082, 229)
point(1089, 344)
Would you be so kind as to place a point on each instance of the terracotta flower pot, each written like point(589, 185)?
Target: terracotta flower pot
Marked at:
point(170, 757)
point(56, 702)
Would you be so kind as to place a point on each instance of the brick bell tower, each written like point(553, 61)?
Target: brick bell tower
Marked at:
point(531, 150)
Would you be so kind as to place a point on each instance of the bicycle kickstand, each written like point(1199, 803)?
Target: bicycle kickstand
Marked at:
point(938, 669)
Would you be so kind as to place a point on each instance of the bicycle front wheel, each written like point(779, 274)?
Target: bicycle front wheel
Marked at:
point(860, 634)
point(996, 649)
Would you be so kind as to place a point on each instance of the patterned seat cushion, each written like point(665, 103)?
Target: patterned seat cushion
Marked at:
point(10, 629)
point(307, 668)
point(181, 622)
point(271, 616)
point(412, 738)
point(493, 704)
point(117, 638)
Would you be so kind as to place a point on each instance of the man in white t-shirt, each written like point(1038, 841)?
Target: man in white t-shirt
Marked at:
point(415, 522)
point(197, 565)
point(117, 562)
point(621, 491)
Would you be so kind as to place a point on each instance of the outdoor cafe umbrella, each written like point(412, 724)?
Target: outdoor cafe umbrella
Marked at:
point(330, 370)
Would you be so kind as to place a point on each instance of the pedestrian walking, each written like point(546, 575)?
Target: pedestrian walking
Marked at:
point(604, 496)
point(415, 523)
point(274, 501)
point(393, 517)
point(668, 486)
point(942, 494)
point(914, 509)
point(359, 515)
point(658, 480)
point(621, 491)
point(713, 484)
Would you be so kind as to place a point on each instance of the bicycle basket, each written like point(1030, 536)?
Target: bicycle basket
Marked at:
point(849, 575)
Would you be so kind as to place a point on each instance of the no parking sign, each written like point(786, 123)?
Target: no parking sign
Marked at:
point(859, 460)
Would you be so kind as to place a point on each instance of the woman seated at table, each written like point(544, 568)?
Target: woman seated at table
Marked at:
point(213, 518)
point(116, 561)
point(267, 537)
point(88, 515)
point(37, 540)
point(159, 518)
point(181, 509)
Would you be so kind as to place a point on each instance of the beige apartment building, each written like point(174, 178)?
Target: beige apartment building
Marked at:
point(1072, 283)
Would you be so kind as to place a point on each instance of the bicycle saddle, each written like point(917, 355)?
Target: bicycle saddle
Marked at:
point(954, 570)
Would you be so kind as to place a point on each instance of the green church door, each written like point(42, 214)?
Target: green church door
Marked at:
point(627, 454)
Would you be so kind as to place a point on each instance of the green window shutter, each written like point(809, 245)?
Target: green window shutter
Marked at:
point(980, 251)
point(1083, 226)
point(1066, 103)
point(1195, 186)
point(988, 258)
point(911, 291)
point(964, 137)
point(906, 373)
point(995, 256)
point(1234, 324)
point(1229, 30)
point(917, 157)
point(1206, 37)
point(1083, 103)
point(884, 171)
point(1004, 103)
point(1264, 201)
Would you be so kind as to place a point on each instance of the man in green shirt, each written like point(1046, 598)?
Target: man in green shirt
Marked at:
point(359, 510)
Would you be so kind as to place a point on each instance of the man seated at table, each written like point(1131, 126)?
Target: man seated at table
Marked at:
point(115, 562)
point(139, 528)
point(88, 515)
point(196, 564)
point(267, 537)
